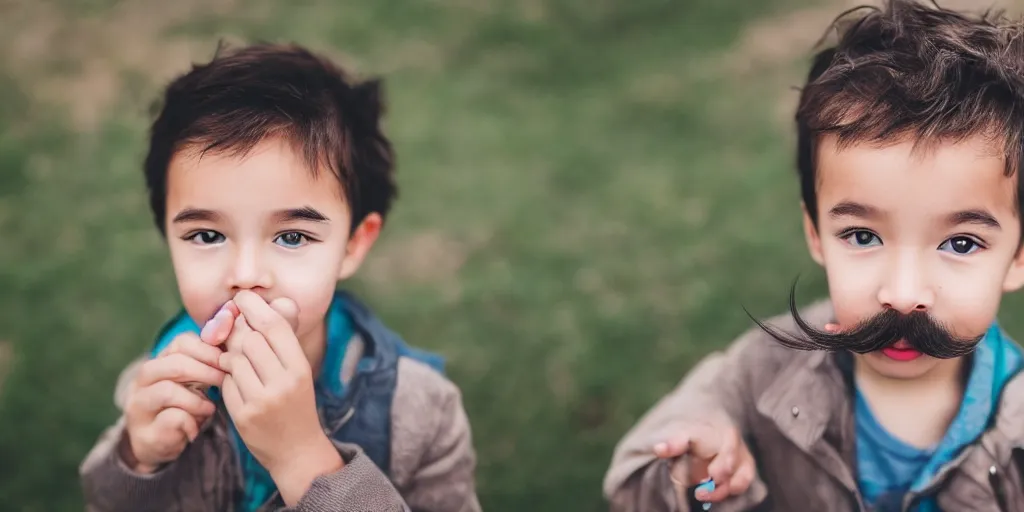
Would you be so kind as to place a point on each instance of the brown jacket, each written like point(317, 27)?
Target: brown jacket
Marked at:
point(796, 413)
point(432, 460)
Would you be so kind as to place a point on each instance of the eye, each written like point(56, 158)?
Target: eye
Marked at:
point(960, 245)
point(862, 238)
point(206, 237)
point(292, 239)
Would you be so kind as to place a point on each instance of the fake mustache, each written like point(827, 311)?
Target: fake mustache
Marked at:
point(919, 329)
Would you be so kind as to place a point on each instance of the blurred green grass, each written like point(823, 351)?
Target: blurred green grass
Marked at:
point(589, 193)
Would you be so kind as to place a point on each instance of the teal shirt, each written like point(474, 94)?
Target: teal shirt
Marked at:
point(889, 468)
point(259, 486)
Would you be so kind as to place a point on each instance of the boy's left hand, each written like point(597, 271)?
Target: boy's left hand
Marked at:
point(269, 394)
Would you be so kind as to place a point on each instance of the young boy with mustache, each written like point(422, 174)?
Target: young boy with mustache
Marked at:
point(901, 392)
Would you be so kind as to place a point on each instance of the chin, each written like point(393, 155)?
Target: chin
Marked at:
point(904, 370)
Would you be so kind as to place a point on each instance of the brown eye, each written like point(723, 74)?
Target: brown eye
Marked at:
point(862, 238)
point(207, 237)
point(961, 245)
point(291, 239)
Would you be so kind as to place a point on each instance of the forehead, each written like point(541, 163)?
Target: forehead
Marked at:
point(936, 178)
point(270, 175)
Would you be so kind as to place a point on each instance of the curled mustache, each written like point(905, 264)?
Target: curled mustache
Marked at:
point(920, 330)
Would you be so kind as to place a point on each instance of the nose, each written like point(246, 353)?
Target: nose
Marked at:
point(905, 287)
point(249, 270)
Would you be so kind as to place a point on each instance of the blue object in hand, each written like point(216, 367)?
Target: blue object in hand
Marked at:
point(709, 486)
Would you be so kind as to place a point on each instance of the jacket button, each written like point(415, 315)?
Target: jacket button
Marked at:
point(795, 411)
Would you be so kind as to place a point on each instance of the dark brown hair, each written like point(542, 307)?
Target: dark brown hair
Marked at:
point(918, 71)
point(244, 96)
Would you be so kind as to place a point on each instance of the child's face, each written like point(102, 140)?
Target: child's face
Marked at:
point(934, 231)
point(263, 222)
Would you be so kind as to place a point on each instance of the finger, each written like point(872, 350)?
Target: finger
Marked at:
point(216, 331)
point(697, 470)
point(264, 361)
point(277, 331)
point(166, 394)
point(831, 328)
point(719, 492)
point(244, 376)
point(230, 306)
point(723, 464)
point(707, 440)
point(288, 310)
point(742, 479)
point(232, 398)
point(178, 368)
point(240, 329)
point(179, 420)
point(190, 344)
point(675, 445)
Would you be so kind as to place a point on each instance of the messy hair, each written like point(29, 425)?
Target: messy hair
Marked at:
point(244, 96)
point(909, 71)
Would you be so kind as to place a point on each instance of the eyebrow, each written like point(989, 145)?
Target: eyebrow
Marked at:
point(195, 215)
point(973, 216)
point(307, 213)
point(852, 209)
point(980, 217)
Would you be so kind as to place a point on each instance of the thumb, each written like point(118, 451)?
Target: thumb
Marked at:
point(288, 309)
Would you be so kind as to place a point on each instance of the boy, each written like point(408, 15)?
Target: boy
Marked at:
point(270, 178)
point(909, 153)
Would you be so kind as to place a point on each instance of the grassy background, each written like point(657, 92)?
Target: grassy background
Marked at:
point(590, 190)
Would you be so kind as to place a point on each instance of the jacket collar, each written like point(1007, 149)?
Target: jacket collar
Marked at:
point(810, 405)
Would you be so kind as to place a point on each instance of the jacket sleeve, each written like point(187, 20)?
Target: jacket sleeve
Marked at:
point(432, 461)
point(714, 392)
point(109, 485)
point(359, 485)
point(721, 389)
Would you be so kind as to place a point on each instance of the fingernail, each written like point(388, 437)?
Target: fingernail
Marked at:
point(209, 328)
point(660, 448)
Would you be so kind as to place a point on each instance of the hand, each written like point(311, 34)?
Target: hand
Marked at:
point(269, 394)
point(715, 452)
point(162, 416)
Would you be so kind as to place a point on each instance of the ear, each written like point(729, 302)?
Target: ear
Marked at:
point(359, 244)
point(811, 235)
point(1014, 279)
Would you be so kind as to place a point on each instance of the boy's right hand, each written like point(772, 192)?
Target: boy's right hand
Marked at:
point(162, 416)
point(714, 451)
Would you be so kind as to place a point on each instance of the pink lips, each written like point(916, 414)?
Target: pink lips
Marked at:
point(901, 351)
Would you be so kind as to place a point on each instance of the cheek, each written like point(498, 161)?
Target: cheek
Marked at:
point(968, 301)
point(199, 277)
point(851, 287)
point(309, 279)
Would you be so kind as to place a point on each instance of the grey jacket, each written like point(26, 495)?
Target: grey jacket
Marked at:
point(431, 464)
point(796, 413)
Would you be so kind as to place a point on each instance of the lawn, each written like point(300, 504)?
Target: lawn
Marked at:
point(590, 192)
